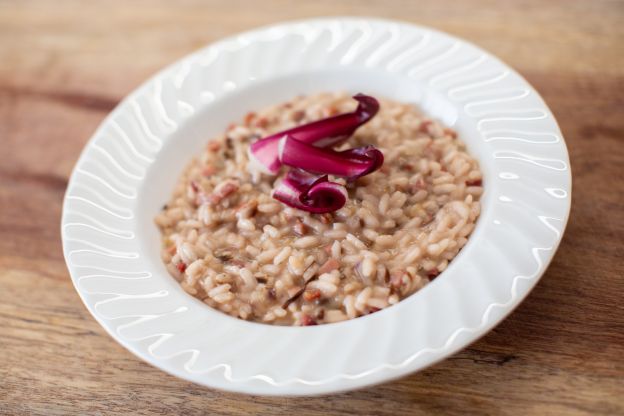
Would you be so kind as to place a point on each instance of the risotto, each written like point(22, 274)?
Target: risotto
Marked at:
point(230, 244)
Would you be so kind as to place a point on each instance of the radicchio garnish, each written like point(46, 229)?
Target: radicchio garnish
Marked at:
point(351, 163)
point(308, 192)
point(327, 132)
point(308, 150)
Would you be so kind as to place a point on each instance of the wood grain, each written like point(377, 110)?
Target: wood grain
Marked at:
point(65, 64)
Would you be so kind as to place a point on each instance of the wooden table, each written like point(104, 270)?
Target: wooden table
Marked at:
point(65, 64)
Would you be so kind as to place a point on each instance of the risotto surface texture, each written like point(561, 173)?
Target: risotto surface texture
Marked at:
point(240, 251)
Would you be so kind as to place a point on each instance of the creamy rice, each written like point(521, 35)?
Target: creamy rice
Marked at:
point(231, 245)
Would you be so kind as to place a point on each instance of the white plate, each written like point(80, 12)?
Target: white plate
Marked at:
point(131, 163)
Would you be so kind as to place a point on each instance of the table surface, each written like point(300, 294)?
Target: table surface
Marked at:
point(65, 64)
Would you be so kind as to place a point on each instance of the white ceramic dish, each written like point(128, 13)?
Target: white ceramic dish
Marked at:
point(129, 167)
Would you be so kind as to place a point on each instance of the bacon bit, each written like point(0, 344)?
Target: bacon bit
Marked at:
point(320, 314)
point(330, 265)
point(181, 266)
point(194, 186)
point(474, 182)
point(300, 228)
point(311, 295)
point(326, 218)
point(407, 166)
point(213, 146)
point(373, 309)
point(249, 118)
point(262, 122)
point(307, 320)
point(223, 190)
point(297, 115)
point(418, 185)
point(450, 132)
point(424, 126)
point(261, 279)
point(433, 273)
point(209, 170)
point(332, 111)
point(396, 278)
